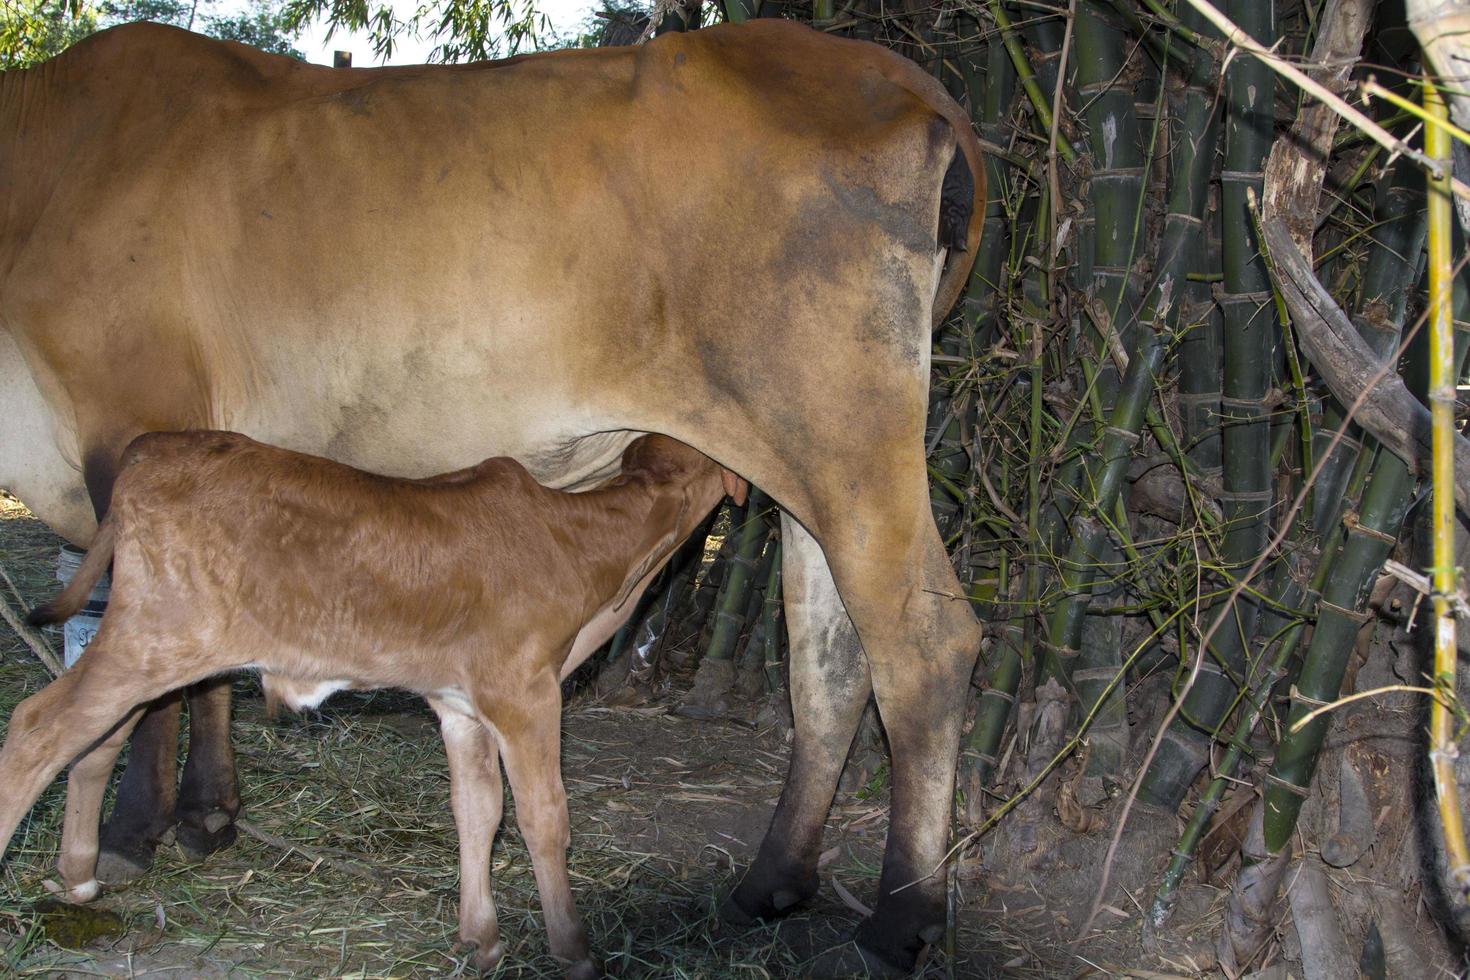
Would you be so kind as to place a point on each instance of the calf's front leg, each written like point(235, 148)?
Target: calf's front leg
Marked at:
point(529, 732)
point(477, 797)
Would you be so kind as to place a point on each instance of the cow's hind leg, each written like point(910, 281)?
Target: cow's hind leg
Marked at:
point(143, 812)
point(529, 733)
point(921, 640)
point(829, 688)
point(209, 797)
point(477, 797)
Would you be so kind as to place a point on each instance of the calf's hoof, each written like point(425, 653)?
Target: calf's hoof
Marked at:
point(76, 894)
point(200, 837)
point(486, 958)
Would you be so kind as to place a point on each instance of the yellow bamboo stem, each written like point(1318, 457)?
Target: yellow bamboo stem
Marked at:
point(1372, 89)
point(1442, 749)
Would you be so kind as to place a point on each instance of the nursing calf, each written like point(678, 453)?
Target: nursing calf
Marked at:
point(479, 589)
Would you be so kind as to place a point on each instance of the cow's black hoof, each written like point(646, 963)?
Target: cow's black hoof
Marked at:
point(852, 960)
point(118, 866)
point(198, 839)
point(894, 944)
point(761, 897)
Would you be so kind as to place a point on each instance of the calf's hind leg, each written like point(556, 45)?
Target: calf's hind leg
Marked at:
point(86, 782)
point(477, 796)
point(64, 719)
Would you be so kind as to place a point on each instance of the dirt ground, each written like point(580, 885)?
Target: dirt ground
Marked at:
point(347, 864)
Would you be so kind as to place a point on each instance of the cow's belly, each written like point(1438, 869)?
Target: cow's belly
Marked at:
point(407, 410)
point(38, 461)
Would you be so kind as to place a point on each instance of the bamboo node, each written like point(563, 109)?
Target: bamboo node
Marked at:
point(1065, 653)
point(996, 692)
point(1255, 299)
point(1297, 695)
point(1352, 614)
point(1243, 176)
point(1095, 674)
point(1354, 526)
point(1132, 438)
point(1290, 787)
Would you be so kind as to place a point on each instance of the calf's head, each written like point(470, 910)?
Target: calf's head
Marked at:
point(685, 484)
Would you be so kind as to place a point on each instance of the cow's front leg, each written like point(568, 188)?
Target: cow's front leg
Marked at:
point(143, 813)
point(209, 797)
point(829, 688)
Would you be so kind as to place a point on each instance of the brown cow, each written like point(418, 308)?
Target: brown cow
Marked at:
point(480, 590)
point(739, 236)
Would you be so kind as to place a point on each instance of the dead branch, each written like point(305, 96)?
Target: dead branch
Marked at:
point(1388, 411)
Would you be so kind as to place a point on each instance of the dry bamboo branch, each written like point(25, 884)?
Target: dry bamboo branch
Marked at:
point(1389, 411)
point(1296, 76)
point(32, 639)
point(1296, 166)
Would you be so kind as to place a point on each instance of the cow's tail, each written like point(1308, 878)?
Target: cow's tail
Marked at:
point(962, 193)
point(961, 207)
point(74, 596)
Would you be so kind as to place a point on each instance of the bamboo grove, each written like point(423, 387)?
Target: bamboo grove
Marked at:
point(1149, 474)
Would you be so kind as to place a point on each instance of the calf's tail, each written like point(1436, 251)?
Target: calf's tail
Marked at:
point(74, 596)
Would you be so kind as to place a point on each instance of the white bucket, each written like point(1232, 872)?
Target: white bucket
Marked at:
point(78, 631)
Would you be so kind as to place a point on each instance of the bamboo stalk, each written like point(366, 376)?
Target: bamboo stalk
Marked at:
point(1029, 83)
point(1442, 377)
point(771, 615)
point(1251, 334)
point(750, 535)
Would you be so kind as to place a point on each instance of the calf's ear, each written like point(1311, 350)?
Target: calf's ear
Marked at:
point(736, 486)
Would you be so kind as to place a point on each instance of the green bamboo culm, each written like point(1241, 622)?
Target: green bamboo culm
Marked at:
point(729, 613)
point(1184, 249)
point(990, 80)
point(1112, 229)
point(771, 622)
point(1038, 94)
point(740, 11)
point(1359, 552)
point(751, 655)
point(697, 617)
point(1116, 192)
point(1285, 633)
point(1251, 333)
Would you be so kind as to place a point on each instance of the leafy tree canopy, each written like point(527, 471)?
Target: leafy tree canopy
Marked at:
point(33, 30)
point(463, 30)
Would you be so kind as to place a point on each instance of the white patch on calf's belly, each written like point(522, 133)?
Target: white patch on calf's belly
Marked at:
point(301, 695)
